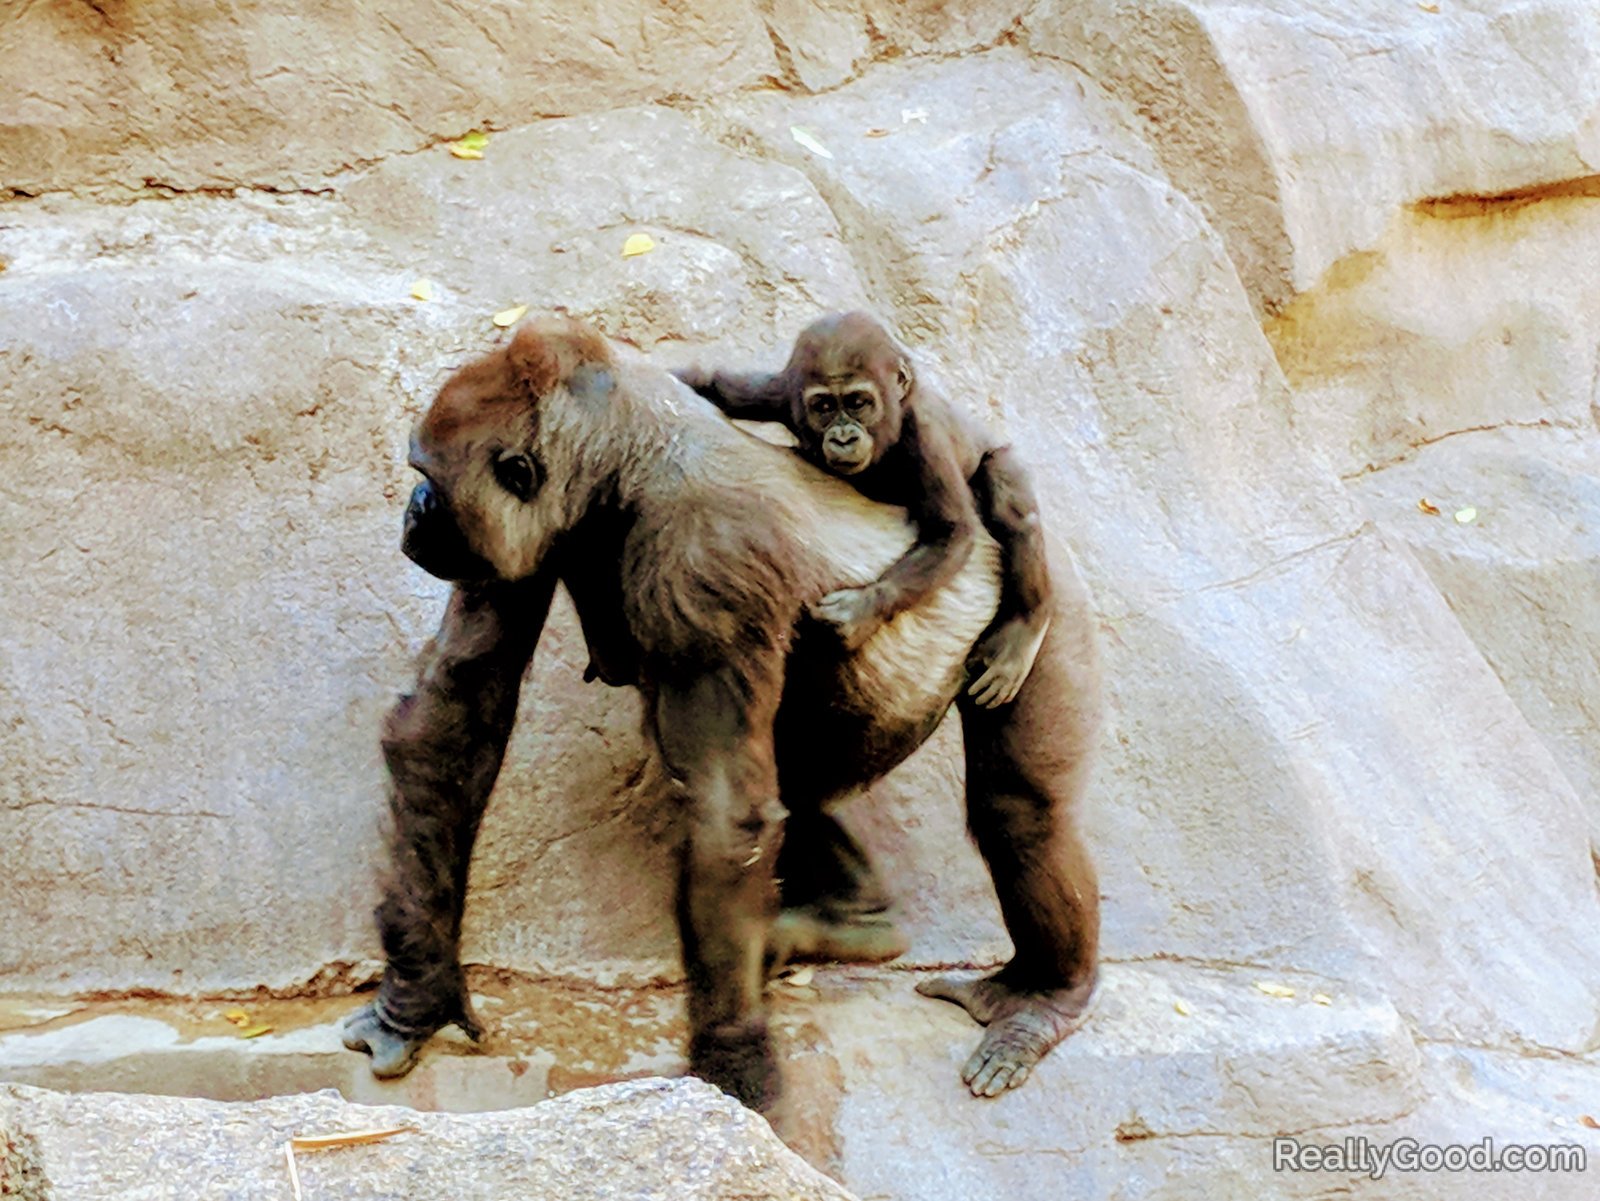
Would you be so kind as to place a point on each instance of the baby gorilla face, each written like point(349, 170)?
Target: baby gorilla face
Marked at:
point(842, 419)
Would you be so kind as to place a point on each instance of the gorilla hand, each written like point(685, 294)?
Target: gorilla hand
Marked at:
point(853, 613)
point(1003, 659)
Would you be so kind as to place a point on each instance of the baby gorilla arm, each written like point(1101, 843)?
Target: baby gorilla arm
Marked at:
point(1006, 502)
point(750, 395)
point(941, 504)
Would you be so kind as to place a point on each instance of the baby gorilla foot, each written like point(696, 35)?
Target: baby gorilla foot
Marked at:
point(807, 934)
point(1022, 1026)
point(393, 1054)
point(852, 613)
point(1003, 660)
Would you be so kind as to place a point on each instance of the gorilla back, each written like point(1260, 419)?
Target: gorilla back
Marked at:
point(690, 550)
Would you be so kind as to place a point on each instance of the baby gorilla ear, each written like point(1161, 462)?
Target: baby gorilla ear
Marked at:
point(904, 377)
point(547, 351)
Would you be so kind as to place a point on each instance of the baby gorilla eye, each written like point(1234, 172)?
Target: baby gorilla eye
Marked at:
point(824, 404)
point(517, 473)
point(856, 401)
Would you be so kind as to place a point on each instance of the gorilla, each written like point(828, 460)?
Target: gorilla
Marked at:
point(691, 550)
point(858, 409)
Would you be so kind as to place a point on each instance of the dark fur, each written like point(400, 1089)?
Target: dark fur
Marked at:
point(669, 530)
point(948, 474)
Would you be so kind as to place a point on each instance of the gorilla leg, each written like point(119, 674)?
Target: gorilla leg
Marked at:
point(717, 745)
point(835, 909)
point(1027, 767)
point(443, 746)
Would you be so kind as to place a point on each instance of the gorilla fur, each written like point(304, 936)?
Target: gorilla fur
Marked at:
point(690, 550)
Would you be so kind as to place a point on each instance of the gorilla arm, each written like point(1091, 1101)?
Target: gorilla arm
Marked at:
point(928, 475)
point(443, 745)
point(1010, 511)
point(747, 395)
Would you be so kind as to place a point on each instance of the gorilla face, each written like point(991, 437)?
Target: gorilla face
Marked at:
point(483, 511)
point(850, 382)
point(842, 420)
point(432, 539)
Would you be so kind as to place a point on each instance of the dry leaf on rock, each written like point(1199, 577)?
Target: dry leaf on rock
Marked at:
point(1428, 507)
point(876, 133)
point(1322, 998)
point(638, 244)
point(1467, 516)
point(1181, 1008)
point(238, 1017)
point(255, 1031)
point(506, 318)
point(352, 1138)
point(809, 140)
point(1274, 990)
point(422, 290)
point(294, 1171)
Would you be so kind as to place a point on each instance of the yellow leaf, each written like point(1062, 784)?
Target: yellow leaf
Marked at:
point(1183, 1010)
point(1586, 1120)
point(1428, 507)
point(1322, 998)
point(422, 290)
point(506, 318)
point(638, 244)
point(1467, 516)
point(1274, 990)
point(355, 1138)
point(809, 140)
point(254, 1031)
point(1428, 8)
point(471, 145)
point(238, 1017)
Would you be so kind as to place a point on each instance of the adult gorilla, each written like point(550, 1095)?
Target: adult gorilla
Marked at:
point(690, 550)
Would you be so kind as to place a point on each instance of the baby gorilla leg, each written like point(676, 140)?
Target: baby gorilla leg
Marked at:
point(1027, 767)
point(835, 909)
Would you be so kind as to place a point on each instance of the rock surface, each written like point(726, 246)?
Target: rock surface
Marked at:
point(1246, 282)
point(645, 1139)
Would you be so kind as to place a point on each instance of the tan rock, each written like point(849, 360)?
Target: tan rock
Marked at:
point(647, 1139)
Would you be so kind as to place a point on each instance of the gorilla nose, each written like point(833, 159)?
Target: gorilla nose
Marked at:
point(424, 500)
point(845, 438)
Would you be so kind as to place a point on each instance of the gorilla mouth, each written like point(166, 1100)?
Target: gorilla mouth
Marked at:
point(452, 565)
point(847, 461)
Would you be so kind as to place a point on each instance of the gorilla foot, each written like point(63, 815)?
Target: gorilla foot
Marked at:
point(393, 1054)
point(808, 934)
point(1022, 1025)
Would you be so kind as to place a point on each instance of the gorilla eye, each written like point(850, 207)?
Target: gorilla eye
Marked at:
point(517, 473)
point(823, 403)
point(856, 401)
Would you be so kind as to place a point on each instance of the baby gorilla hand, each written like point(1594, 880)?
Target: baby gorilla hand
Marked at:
point(1003, 660)
point(852, 612)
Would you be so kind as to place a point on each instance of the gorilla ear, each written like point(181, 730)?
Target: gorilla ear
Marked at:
point(904, 376)
point(548, 351)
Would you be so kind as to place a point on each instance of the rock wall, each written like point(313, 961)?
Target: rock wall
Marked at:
point(1246, 281)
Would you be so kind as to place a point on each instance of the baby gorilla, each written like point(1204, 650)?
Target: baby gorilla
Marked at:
point(851, 397)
